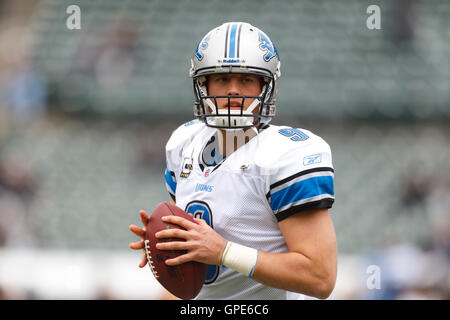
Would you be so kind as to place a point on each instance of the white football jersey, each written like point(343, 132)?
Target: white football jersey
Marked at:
point(279, 172)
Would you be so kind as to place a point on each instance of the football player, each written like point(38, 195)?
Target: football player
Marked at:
point(259, 193)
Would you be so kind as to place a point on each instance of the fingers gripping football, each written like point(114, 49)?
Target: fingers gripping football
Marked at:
point(202, 243)
point(140, 232)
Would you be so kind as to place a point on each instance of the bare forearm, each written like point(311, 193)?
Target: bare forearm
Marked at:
point(295, 272)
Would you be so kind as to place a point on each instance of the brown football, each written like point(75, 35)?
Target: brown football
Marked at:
point(184, 280)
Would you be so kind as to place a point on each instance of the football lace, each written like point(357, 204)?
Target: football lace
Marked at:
point(149, 259)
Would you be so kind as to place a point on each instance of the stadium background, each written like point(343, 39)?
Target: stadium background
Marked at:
point(85, 114)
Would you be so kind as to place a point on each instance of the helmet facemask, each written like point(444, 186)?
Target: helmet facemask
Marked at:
point(260, 111)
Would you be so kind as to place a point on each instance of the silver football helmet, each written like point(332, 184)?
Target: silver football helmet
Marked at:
point(235, 47)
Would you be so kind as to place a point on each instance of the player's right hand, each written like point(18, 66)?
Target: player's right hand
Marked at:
point(140, 232)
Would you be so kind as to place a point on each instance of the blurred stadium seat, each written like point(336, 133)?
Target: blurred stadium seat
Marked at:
point(332, 64)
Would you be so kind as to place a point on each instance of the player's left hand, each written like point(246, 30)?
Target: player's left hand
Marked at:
point(203, 244)
point(140, 232)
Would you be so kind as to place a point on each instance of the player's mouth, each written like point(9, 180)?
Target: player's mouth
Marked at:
point(234, 105)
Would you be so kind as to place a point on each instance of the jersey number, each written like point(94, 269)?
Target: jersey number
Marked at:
point(294, 134)
point(201, 210)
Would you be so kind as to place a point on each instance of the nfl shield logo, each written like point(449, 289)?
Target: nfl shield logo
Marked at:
point(207, 172)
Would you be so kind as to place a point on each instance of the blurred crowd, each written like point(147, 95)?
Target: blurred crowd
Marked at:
point(23, 103)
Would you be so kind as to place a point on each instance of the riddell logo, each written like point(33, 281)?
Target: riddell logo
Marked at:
point(230, 61)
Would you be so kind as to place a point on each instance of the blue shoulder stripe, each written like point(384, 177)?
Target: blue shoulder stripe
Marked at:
point(170, 181)
point(302, 192)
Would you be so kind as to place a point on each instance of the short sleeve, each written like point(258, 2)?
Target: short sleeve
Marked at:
point(303, 181)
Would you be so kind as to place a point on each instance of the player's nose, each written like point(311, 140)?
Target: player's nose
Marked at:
point(234, 87)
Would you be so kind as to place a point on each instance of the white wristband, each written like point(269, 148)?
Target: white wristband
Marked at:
point(240, 258)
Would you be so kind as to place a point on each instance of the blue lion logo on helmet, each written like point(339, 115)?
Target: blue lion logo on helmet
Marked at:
point(202, 45)
point(267, 45)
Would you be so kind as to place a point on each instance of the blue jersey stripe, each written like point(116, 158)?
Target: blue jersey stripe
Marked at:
point(304, 189)
point(170, 181)
point(231, 51)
